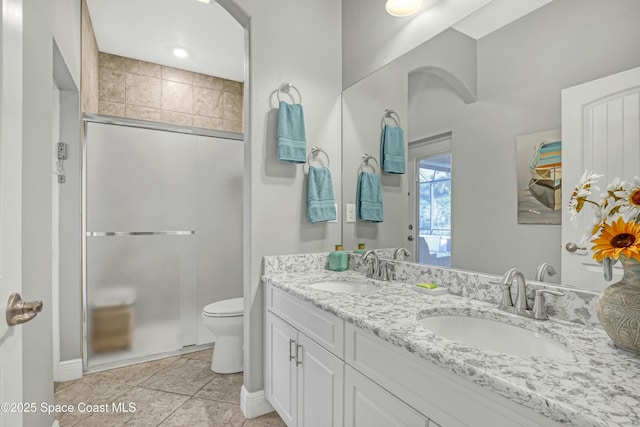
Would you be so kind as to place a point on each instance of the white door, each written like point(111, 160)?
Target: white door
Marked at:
point(320, 381)
point(600, 133)
point(10, 206)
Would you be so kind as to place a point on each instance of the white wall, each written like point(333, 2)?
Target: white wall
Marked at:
point(65, 20)
point(363, 106)
point(373, 38)
point(521, 70)
point(66, 32)
point(36, 205)
point(297, 42)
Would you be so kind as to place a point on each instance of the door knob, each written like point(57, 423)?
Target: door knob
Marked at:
point(19, 312)
point(410, 238)
point(572, 247)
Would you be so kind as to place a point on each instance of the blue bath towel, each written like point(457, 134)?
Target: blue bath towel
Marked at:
point(369, 197)
point(292, 140)
point(320, 202)
point(392, 150)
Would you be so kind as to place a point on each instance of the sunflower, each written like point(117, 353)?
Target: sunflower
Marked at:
point(628, 199)
point(619, 238)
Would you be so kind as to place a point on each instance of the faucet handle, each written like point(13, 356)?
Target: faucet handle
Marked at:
point(383, 274)
point(539, 310)
point(507, 301)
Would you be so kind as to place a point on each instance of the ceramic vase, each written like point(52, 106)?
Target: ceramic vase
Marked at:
point(618, 308)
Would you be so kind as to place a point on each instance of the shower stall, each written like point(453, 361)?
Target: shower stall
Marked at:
point(162, 223)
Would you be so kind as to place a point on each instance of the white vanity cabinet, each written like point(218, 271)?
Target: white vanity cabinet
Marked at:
point(304, 381)
point(322, 371)
point(369, 405)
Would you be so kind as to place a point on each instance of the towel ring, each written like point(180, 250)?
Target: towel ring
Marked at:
point(365, 162)
point(285, 88)
point(315, 151)
point(390, 114)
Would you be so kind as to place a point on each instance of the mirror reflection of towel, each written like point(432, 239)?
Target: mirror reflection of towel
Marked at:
point(392, 155)
point(292, 140)
point(369, 197)
point(321, 205)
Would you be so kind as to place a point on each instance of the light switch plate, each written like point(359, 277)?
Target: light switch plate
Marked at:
point(351, 212)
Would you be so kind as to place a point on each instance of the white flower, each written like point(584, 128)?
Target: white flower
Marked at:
point(613, 186)
point(580, 194)
point(628, 199)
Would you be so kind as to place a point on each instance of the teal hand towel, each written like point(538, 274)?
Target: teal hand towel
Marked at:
point(392, 150)
point(292, 140)
point(369, 197)
point(320, 202)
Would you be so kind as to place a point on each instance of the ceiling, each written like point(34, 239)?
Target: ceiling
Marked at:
point(149, 30)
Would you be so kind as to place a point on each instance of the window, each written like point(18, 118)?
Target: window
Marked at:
point(434, 209)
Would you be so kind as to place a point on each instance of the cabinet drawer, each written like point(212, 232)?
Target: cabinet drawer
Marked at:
point(431, 390)
point(322, 327)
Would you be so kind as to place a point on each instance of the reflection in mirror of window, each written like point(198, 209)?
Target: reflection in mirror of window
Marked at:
point(434, 210)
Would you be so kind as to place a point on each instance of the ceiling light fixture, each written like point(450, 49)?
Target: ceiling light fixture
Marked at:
point(180, 52)
point(204, 1)
point(403, 7)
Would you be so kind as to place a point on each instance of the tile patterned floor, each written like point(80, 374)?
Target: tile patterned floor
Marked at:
point(172, 392)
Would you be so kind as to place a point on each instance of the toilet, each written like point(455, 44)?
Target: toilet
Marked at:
point(225, 318)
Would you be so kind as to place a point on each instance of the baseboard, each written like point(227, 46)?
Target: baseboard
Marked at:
point(254, 404)
point(68, 370)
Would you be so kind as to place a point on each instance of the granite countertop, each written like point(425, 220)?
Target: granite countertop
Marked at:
point(599, 387)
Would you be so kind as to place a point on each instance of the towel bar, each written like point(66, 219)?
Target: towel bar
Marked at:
point(365, 162)
point(315, 151)
point(285, 88)
point(390, 114)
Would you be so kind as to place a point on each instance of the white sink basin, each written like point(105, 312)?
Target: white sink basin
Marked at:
point(486, 334)
point(344, 286)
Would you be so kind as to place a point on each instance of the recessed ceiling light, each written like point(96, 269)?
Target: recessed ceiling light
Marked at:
point(403, 7)
point(180, 52)
point(204, 1)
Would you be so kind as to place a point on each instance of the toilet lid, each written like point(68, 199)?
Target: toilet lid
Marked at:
point(225, 308)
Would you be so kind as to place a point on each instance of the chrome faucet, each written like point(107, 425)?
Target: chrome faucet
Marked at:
point(543, 269)
point(373, 271)
point(405, 253)
point(520, 305)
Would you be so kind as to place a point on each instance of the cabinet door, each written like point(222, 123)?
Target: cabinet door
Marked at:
point(369, 405)
point(281, 368)
point(320, 386)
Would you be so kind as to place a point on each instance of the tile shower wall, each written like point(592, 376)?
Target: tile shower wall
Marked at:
point(89, 70)
point(143, 90)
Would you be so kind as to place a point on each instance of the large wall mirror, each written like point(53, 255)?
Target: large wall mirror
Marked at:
point(479, 93)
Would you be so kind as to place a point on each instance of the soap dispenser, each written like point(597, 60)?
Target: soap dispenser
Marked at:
point(360, 249)
point(338, 259)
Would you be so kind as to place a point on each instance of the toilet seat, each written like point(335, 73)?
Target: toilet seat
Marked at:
point(227, 308)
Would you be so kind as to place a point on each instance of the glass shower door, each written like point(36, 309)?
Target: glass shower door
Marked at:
point(140, 253)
